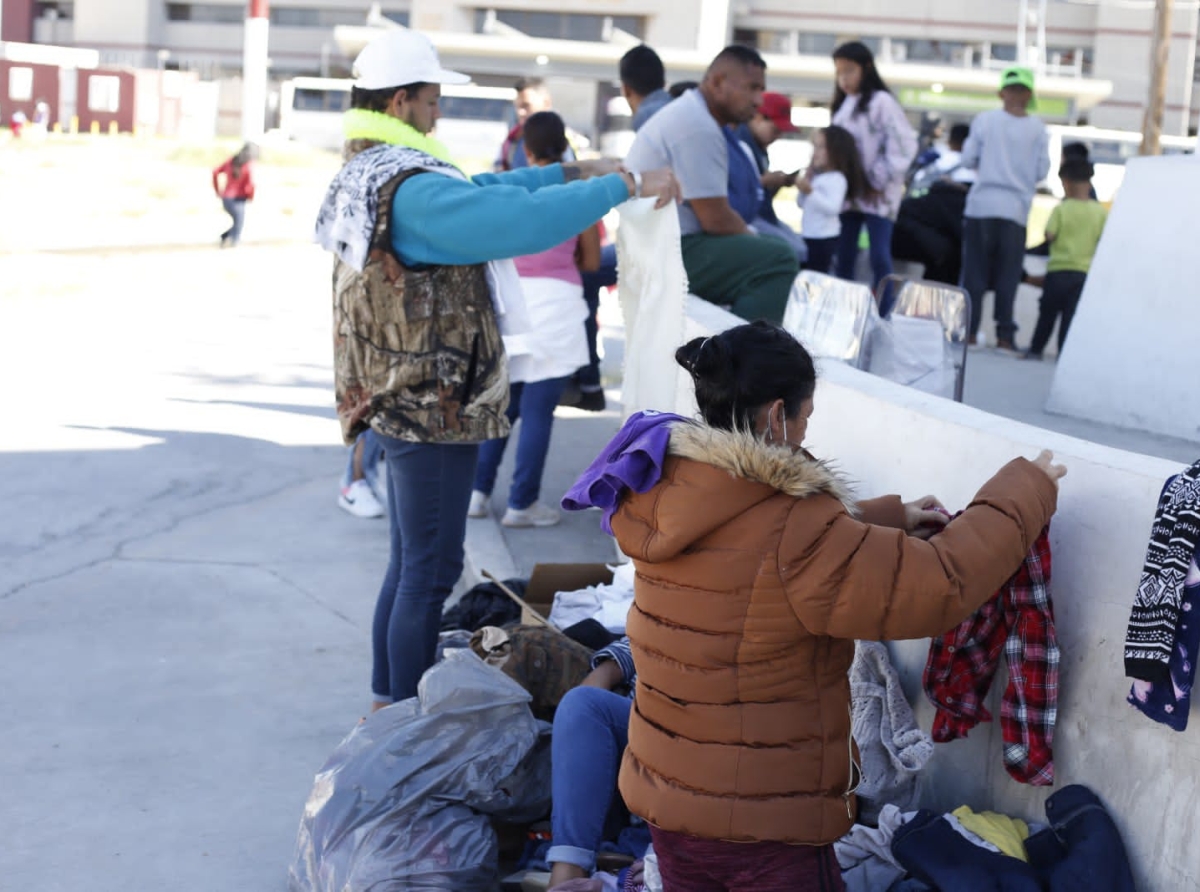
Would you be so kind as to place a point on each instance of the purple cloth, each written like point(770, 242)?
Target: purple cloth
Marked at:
point(633, 459)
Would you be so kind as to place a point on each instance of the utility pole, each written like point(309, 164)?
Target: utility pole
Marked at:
point(1023, 32)
point(1041, 37)
point(254, 70)
point(1153, 122)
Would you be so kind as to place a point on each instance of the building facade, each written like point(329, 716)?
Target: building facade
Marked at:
point(945, 54)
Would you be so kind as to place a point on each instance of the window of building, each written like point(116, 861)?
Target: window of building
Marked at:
point(1068, 59)
point(874, 44)
point(321, 100)
point(20, 84)
point(104, 93)
point(817, 44)
point(207, 13)
point(284, 16)
point(55, 9)
point(302, 17)
point(745, 37)
point(560, 25)
point(787, 43)
point(936, 51)
point(1004, 52)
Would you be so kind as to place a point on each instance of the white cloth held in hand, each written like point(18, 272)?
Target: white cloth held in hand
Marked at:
point(652, 290)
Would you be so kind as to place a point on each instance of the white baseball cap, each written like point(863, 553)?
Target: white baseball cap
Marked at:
point(401, 57)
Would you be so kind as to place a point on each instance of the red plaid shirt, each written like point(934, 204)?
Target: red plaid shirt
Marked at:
point(1019, 620)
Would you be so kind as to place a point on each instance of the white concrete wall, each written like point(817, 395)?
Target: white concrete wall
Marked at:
point(892, 439)
point(1131, 356)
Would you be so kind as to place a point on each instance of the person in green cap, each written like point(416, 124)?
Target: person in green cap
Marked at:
point(1009, 149)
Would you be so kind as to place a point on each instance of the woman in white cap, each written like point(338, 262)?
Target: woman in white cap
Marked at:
point(428, 312)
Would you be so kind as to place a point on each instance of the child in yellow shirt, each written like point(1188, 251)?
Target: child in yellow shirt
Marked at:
point(1073, 232)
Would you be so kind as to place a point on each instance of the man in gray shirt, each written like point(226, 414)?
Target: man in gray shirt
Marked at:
point(726, 262)
point(1010, 151)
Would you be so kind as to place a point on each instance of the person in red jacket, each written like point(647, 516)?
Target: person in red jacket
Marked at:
point(236, 189)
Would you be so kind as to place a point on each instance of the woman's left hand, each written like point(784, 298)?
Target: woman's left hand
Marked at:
point(924, 517)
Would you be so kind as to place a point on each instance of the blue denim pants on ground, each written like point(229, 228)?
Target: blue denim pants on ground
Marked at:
point(429, 489)
point(236, 209)
point(591, 731)
point(533, 403)
point(879, 231)
point(372, 454)
point(605, 277)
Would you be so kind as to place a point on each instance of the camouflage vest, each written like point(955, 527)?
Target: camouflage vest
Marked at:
point(417, 352)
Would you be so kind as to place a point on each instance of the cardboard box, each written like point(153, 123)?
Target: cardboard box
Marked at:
point(547, 580)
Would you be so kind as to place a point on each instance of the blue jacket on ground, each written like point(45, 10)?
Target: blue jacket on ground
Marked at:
point(1081, 851)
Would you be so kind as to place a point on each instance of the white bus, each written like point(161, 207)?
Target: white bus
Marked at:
point(475, 120)
point(1108, 150)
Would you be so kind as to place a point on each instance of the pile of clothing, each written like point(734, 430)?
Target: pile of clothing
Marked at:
point(608, 605)
point(1079, 848)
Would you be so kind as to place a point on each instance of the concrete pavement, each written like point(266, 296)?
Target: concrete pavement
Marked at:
point(184, 612)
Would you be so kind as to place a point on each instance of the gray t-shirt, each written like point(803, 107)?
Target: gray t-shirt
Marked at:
point(685, 137)
point(1011, 155)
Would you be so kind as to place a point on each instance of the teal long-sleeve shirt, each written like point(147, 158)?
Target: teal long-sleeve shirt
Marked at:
point(438, 219)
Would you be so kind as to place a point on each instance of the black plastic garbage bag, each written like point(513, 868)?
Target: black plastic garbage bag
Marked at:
point(404, 801)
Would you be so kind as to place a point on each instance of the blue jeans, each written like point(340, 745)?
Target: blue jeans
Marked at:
point(879, 231)
point(372, 453)
point(605, 277)
point(429, 489)
point(533, 403)
point(993, 258)
point(591, 731)
point(236, 209)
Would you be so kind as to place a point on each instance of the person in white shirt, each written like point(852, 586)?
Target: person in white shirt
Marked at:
point(835, 177)
point(947, 166)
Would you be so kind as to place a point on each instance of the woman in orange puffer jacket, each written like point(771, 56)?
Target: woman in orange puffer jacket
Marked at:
point(756, 570)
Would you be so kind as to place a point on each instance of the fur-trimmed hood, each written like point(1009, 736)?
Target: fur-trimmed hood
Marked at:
point(744, 455)
point(691, 504)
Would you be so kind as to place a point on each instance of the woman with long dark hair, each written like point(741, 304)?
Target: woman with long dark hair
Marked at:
point(863, 105)
point(236, 190)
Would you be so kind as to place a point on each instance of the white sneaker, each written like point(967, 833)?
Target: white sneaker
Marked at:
point(480, 505)
point(536, 515)
point(357, 499)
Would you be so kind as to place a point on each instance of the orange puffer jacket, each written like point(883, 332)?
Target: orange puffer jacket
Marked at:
point(755, 573)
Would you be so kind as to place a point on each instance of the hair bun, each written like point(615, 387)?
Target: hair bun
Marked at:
point(702, 357)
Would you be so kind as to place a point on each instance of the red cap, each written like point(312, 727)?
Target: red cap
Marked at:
point(778, 109)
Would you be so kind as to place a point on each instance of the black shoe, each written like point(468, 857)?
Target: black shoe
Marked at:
point(571, 396)
point(591, 401)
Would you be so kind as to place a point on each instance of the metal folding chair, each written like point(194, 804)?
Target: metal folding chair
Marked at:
point(916, 302)
point(831, 317)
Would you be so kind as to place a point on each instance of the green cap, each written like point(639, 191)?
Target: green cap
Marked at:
point(1017, 76)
